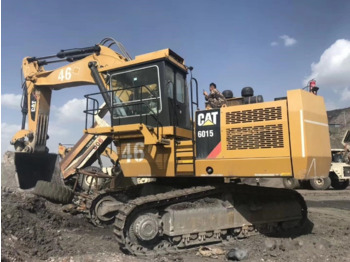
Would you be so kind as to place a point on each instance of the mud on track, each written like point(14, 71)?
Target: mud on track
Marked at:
point(33, 229)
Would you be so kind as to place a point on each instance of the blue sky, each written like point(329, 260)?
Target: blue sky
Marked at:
point(269, 45)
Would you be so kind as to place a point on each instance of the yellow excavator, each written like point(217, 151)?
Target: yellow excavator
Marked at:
point(197, 156)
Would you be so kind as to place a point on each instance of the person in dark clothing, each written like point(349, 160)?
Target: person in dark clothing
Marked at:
point(215, 98)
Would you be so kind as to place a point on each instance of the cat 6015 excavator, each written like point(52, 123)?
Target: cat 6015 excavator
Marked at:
point(197, 156)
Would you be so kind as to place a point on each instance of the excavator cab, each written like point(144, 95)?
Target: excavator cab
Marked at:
point(153, 93)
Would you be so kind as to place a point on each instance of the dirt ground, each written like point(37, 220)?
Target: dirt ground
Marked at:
point(33, 229)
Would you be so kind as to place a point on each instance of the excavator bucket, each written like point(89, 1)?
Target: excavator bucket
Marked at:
point(23, 170)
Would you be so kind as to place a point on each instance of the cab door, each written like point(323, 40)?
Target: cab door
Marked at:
point(177, 97)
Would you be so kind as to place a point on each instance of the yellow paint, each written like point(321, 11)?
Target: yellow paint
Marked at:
point(208, 123)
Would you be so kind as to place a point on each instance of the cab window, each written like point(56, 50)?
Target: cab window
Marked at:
point(180, 88)
point(169, 75)
point(136, 92)
point(180, 84)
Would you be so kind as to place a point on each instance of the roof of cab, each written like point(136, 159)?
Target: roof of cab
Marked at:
point(153, 56)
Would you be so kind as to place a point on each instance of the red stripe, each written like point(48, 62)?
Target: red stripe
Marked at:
point(216, 151)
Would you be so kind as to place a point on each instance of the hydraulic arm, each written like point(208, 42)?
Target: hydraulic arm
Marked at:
point(83, 69)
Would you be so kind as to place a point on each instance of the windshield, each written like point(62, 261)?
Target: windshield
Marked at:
point(136, 92)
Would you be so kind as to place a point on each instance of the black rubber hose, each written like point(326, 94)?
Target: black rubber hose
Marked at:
point(24, 105)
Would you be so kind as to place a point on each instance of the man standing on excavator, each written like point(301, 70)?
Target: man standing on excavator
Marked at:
point(215, 98)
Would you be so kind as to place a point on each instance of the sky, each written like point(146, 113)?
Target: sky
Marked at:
point(271, 45)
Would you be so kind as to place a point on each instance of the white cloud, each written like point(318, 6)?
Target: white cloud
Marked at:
point(9, 129)
point(11, 101)
point(57, 130)
point(7, 132)
point(274, 43)
point(72, 111)
point(288, 41)
point(345, 95)
point(332, 71)
point(66, 123)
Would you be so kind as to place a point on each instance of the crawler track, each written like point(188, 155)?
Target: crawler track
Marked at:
point(166, 244)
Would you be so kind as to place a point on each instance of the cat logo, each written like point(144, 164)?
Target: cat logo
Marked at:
point(207, 119)
point(33, 106)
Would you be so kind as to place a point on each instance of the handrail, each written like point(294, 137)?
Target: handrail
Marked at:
point(141, 102)
point(95, 102)
point(192, 117)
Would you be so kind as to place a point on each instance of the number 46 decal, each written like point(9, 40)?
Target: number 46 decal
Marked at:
point(65, 74)
point(138, 153)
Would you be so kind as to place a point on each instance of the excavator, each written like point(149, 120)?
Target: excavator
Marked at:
point(196, 156)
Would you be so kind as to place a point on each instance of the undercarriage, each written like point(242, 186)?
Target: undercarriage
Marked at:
point(155, 218)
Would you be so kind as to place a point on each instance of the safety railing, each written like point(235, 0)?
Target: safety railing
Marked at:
point(121, 109)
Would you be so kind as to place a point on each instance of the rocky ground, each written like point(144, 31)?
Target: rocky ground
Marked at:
point(33, 229)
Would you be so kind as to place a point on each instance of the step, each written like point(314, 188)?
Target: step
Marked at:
point(184, 169)
point(184, 154)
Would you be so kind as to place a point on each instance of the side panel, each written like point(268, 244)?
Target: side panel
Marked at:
point(255, 130)
point(309, 135)
point(250, 167)
point(139, 156)
point(254, 142)
point(138, 159)
point(208, 135)
point(273, 139)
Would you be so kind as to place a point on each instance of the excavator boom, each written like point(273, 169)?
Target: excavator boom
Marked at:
point(30, 142)
point(39, 84)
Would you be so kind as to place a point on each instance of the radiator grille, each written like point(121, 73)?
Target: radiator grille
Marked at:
point(255, 115)
point(257, 137)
